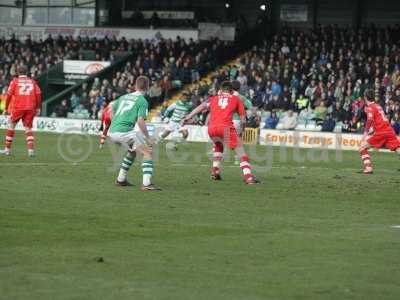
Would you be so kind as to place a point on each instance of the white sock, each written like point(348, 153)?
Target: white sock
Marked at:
point(122, 175)
point(146, 179)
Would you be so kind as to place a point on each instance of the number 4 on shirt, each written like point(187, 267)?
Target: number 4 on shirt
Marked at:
point(223, 102)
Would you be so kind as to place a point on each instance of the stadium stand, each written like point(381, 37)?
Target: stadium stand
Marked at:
point(169, 64)
point(314, 80)
point(308, 77)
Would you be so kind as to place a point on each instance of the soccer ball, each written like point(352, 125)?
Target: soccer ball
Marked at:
point(171, 146)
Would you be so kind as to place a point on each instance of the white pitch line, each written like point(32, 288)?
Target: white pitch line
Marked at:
point(396, 226)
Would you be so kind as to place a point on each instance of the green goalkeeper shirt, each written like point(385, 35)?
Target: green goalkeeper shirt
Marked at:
point(126, 111)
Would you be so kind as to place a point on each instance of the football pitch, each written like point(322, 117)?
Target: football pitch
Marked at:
point(312, 230)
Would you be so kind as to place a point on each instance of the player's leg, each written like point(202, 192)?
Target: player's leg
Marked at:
point(217, 137)
point(126, 140)
point(185, 133)
point(366, 158)
point(218, 151)
point(27, 121)
point(165, 134)
point(106, 126)
point(127, 162)
point(147, 163)
point(393, 143)
point(30, 139)
point(10, 134)
point(236, 143)
point(236, 123)
point(13, 120)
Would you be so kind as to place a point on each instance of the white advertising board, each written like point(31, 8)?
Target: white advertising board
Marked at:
point(87, 67)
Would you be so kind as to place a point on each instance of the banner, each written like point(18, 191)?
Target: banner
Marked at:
point(162, 14)
point(225, 32)
point(308, 139)
point(86, 67)
point(58, 125)
point(91, 127)
point(41, 33)
point(294, 13)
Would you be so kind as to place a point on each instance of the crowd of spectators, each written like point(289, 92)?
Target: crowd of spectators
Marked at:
point(169, 65)
point(318, 77)
point(41, 55)
point(296, 78)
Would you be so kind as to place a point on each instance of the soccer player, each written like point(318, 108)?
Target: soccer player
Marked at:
point(179, 110)
point(236, 119)
point(26, 101)
point(127, 111)
point(383, 135)
point(105, 124)
point(222, 132)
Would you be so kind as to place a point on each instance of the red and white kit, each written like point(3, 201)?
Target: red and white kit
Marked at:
point(26, 99)
point(383, 136)
point(222, 131)
point(106, 122)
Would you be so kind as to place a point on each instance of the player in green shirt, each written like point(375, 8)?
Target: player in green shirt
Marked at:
point(177, 111)
point(247, 105)
point(128, 111)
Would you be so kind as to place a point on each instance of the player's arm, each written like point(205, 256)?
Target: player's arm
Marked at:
point(111, 109)
point(9, 95)
point(169, 110)
point(246, 102)
point(143, 128)
point(202, 107)
point(38, 94)
point(141, 121)
point(242, 114)
point(369, 123)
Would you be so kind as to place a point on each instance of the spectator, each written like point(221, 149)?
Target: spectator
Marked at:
point(288, 122)
point(254, 119)
point(396, 124)
point(329, 124)
point(155, 94)
point(271, 121)
point(74, 100)
point(276, 88)
point(320, 111)
point(62, 109)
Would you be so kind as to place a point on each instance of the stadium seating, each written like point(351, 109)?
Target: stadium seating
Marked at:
point(325, 71)
point(322, 67)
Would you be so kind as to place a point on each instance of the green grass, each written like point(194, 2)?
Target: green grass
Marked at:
point(312, 230)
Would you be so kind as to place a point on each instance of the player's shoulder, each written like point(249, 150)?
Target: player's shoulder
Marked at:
point(236, 99)
point(14, 80)
point(370, 108)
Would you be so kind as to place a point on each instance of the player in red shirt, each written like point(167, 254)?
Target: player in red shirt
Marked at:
point(383, 136)
point(222, 132)
point(105, 124)
point(27, 98)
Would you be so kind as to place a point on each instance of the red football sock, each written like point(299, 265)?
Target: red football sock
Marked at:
point(9, 138)
point(366, 159)
point(246, 167)
point(29, 139)
point(217, 158)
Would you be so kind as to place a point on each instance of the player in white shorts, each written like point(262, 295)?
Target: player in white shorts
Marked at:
point(178, 111)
